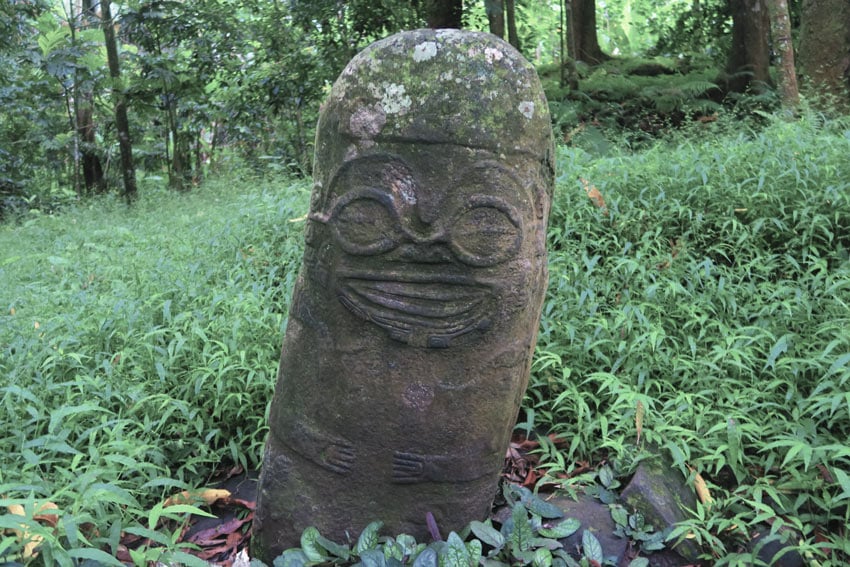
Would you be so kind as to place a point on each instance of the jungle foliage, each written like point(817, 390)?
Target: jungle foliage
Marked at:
point(704, 287)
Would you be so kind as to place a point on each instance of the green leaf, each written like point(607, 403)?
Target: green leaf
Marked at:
point(591, 547)
point(310, 546)
point(455, 554)
point(335, 549)
point(619, 515)
point(844, 481)
point(182, 558)
point(542, 558)
point(521, 536)
point(368, 537)
point(542, 508)
point(475, 549)
point(488, 534)
point(428, 558)
point(561, 530)
point(639, 562)
point(373, 558)
point(291, 558)
point(606, 476)
point(95, 555)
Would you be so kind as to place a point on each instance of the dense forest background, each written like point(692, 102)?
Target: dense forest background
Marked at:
point(98, 94)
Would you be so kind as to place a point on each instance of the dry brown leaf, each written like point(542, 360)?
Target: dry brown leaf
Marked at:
point(594, 195)
point(639, 413)
point(702, 491)
point(31, 541)
point(208, 496)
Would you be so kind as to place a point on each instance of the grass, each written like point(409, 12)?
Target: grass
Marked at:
point(138, 348)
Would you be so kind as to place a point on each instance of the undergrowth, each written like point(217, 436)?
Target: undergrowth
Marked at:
point(138, 348)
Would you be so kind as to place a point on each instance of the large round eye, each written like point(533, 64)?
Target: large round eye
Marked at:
point(486, 232)
point(365, 222)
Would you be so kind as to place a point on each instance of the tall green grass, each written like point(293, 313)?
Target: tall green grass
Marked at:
point(138, 347)
point(714, 291)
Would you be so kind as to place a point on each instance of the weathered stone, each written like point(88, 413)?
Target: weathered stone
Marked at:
point(415, 314)
point(776, 549)
point(595, 517)
point(658, 491)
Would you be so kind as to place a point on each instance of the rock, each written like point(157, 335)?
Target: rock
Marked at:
point(659, 492)
point(595, 517)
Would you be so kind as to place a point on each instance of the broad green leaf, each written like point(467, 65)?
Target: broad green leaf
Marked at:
point(455, 554)
point(619, 515)
point(373, 558)
point(310, 546)
point(542, 508)
point(428, 558)
point(542, 558)
point(488, 534)
point(335, 549)
point(591, 547)
point(368, 537)
point(291, 558)
point(475, 549)
point(606, 476)
point(561, 530)
point(521, 536)
point(639, 562)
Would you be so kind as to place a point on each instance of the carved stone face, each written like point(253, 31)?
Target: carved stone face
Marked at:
point(431, 253)
point(414, 316)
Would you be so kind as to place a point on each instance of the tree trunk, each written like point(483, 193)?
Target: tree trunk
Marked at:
point(122, 124)
point(584, 44)
point(444, 13)
point(513, 38)
point(495, 10)
point(569, 73)
point(92, 169)
point(781, 28)
point(748, 65)
point(825, 49)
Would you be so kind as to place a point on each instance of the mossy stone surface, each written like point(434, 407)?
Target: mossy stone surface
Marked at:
point(415, 314)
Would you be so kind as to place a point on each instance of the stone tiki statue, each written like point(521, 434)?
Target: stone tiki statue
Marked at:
point(415, 314)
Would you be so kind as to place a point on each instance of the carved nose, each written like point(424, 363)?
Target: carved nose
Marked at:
point(428, 253)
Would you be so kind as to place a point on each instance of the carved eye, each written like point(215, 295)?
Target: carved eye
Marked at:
point(365, 222)
point(486, 232)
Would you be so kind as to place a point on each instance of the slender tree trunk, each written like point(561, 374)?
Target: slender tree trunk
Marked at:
point(584, 43)
point(122, 124)
point(444, 13)
point(495, 10)
point(513, 38)
point(781, 28)
point(92, 168)
point(569, 73)
point(825, 49)
point(748, 65)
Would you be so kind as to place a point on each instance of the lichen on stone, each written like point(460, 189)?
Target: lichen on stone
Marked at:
point(424, 51)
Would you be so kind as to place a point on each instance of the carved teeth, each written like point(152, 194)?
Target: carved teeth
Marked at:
point(427, 313)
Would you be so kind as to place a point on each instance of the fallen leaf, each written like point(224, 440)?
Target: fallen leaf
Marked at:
point(702, 491)
point(209, 496)
point(594, 195)
point(639, 412)
point(31, 541)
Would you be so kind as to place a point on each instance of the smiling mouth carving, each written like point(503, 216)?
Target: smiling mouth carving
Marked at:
point(420, 312)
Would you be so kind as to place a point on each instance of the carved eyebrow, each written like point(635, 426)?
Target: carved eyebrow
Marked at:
point(353, 167)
